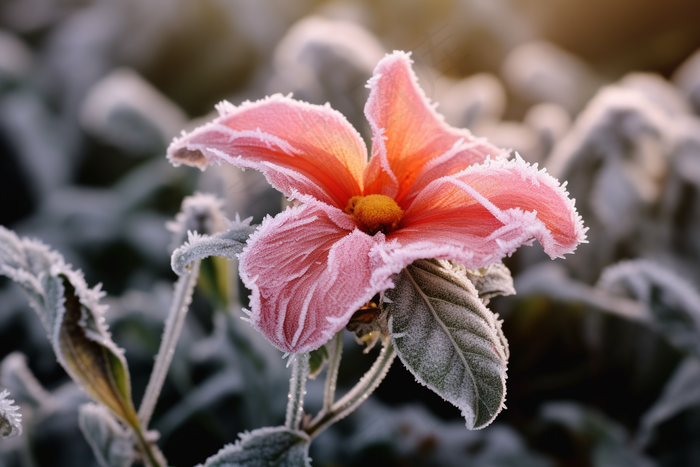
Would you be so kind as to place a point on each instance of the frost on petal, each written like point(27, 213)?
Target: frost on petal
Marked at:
point(487, 211)
point(298, 146)
point(309, 270)
point(408, 132)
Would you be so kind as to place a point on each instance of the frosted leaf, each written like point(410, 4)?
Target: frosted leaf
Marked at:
point(609, 441)
point(550, 122)
point(15, 58)
point(657, 90)
point(227, 244)
point(321, 60)
point(16, 375)
point(492, 281)
point(615, 159)
point(10, 420)
point(473, 100)
point(201, 212)
point(208, 393)
point(448, 339)
point(125, 110)
point(682, 391)
point(687, 78)
point(34, 133)
point(543, 72)
point(112, 445)
point(673, 303)
point(551, 279)
point(516, 136)
point(317, 361)
point(278, 446)
point(73, 317)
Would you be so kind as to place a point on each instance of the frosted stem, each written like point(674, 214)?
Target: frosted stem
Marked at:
point(182, 297)
point(152, 457)
point(348, 403)
point(297, 390)
point(332, 372)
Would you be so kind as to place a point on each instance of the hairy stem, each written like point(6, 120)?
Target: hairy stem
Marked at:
point(357, 395)
point(332, 372)
point(182, 297)
point(297, 390)
point(151, 454)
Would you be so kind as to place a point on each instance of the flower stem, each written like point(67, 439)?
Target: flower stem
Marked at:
point(150, 452)
point(182, 297)
point(357, 395)
point(332, 372)
point(297, 390)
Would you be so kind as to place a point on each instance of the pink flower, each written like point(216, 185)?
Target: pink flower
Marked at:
point(429, 191)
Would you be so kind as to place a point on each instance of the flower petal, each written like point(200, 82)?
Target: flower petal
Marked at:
point(408, 132)
point(485, 212)
point(309, 269)
point(298, 146)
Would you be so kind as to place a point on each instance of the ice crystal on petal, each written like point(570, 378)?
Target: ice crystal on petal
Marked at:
point(314, 265)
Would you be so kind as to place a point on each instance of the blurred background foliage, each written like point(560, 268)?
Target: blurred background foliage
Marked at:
point(605, 346)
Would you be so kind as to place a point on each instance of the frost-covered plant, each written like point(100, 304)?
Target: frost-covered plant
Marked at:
point(10, 420)
point(404, 248)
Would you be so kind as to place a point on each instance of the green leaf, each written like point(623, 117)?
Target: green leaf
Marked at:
point(86, 351)
point(226, 244)
point(448, 339)
point(671, 302)
point(317, 360)
point(682, 392)
point(73, 317)
point(112, 445)
point(265, 447)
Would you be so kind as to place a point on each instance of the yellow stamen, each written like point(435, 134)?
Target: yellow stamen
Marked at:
point(377, 213)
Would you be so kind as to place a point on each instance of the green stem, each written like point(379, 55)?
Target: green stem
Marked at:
point(297, 390)
point(357, 395)
point(151, 453)
point(332, 372)
point(182, 297)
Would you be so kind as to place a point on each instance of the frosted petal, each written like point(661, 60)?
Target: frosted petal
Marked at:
point(300, 147)
point(309, 270)
point(408, 132)
point(485, 213)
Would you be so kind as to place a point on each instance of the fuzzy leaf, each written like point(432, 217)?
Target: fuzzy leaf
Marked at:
point(10, 420)
point(19, 379)
point(671, 301)
point(110, 442)
point(227, 244)
point(73, 317)
point(682, 392)
point(265, 447)
point(317, 360)
point(91, 358)
point(492, 281)
point(448, 339)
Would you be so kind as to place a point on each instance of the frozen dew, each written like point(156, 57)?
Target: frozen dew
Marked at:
point(10, 420)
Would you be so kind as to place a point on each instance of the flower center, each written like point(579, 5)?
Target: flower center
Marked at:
point(377, 213)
